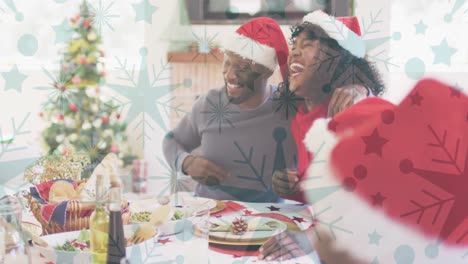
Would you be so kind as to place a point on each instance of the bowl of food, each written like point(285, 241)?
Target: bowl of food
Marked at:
point(173, 226)
point(74, 247)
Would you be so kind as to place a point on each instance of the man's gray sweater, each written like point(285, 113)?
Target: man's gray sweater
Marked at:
point(249, 144)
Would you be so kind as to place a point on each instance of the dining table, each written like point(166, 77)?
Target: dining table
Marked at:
point(181, 247)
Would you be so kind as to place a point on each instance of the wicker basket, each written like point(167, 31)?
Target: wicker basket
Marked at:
point(73, 221)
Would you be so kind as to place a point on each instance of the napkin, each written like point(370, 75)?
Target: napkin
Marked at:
point(254, 224)
point(108, 169)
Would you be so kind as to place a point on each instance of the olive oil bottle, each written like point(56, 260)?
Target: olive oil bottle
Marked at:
point(99, 225)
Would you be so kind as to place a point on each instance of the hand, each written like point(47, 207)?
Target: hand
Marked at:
point(344, 97)
point(287, 245)
point(203, 171)
point(285, 182)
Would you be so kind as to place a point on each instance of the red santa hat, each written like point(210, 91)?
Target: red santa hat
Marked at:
point(395, 172)
point(345, 30)
point(262, 41)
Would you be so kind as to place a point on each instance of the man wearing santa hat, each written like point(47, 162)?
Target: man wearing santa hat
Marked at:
point(239, 139)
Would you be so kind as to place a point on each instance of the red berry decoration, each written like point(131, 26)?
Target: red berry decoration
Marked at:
point(61, 117)
point(114, 148)
point(87, 23)
point(83, 60)
point(62, 88)
point(73, 107)
point(105, 120)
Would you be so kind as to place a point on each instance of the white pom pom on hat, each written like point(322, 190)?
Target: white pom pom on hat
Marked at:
point(345, 30)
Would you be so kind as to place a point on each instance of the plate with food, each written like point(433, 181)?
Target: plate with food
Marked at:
point(75, 246)
point(247, 230)
point(173, 226)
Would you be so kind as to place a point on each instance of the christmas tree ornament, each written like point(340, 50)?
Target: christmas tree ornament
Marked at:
point(90, 92)
point(86, 23)
point(102, 145)
point(76, 80)
point(73, 107)
point(86, 125)
point(92, 36)
point(73, 137)
point(70, 123)
point(59, 138)
point(114, 148)
point(97, 123)
point(105, 120)
point(83, 60)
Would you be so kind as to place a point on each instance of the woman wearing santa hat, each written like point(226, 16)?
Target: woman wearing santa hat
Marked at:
point(377, 166)
point(326, 53)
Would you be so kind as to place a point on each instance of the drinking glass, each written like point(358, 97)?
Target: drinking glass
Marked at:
point(13, 244)
point(197, 244)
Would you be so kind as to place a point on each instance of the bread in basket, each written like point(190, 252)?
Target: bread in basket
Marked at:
point(72, 198)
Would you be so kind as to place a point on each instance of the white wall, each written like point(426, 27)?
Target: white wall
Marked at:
point(400, 17)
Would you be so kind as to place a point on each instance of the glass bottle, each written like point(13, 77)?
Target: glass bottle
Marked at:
point(99, 225)
point(116, 244)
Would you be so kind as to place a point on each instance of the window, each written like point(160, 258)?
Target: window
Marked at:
point(239, 11)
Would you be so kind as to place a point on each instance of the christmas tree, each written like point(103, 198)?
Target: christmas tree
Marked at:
point(79, 119)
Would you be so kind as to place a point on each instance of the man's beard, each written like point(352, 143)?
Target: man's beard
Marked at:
point(243, 97)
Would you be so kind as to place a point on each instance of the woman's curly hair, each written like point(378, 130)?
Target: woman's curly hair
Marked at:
point(346, 60)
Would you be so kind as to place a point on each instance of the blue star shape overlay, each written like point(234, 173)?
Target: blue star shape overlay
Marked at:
point(420, 28)
point(144, 11)
point(145, 95)
point(102, 15)
point(443, 52)
point(14, 79)
point(205, 46)
point(220, 112)
point(374, 238)
point(63, 32)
